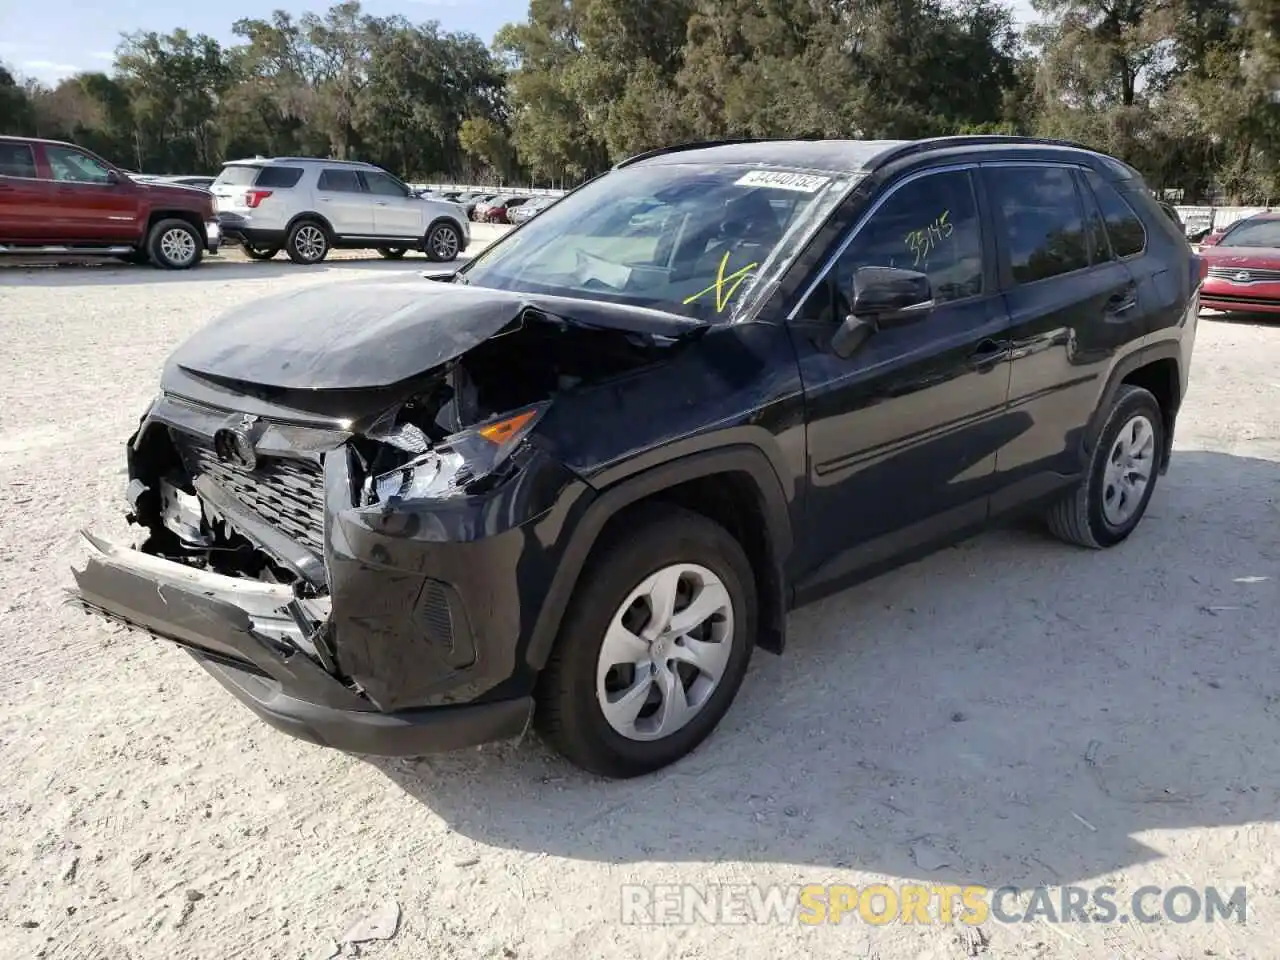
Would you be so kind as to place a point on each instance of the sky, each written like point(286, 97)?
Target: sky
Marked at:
point(82, 34)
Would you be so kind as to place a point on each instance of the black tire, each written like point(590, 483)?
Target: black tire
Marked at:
point(438, 245)
point(137, 258)
point(308, 242)
point(259, 253)
point(174, 245)
point(1079, 517)
point(391, 253)
point(568, 714)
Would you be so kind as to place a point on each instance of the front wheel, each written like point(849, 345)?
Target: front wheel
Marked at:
point(174, 245)
point(654, 646)
point(1108, 505)
point(307, 243)
point(443, 243)
point(391, 253)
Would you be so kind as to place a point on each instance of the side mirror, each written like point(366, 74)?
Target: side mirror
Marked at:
point(882, 298)
point(114, 178)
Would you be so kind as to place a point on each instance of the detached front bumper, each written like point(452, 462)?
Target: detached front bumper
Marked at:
point(253, 637)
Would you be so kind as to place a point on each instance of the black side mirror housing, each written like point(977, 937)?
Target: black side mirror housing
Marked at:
point(114, 178)
point(882, 297)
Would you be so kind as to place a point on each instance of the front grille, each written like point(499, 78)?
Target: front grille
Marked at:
point(286, 493)
point(1256, 274)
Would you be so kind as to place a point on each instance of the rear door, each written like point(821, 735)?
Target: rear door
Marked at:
point(25, 199)
point(1071, 302)
point(344, 202)
point(92, 206)
point(397, 214)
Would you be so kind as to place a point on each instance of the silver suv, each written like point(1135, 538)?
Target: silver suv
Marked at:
point(306, 207)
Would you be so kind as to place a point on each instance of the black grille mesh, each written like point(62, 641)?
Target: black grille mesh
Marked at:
point(287, 493)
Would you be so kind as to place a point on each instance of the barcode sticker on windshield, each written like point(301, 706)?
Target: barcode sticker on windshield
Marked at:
point(781, 180)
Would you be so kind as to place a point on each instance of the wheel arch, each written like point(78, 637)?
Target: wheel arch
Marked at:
point(1156, 368)
point(746, 488)
point(315, 218)
point(445, 219)
point(189, 217)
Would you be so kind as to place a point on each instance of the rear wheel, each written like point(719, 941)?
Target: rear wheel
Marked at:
point(654, 646)
point(174, 245)
point(392, 253)
point(307, 242)
point(443, 243)
point(260, 253)
point(1108, 505)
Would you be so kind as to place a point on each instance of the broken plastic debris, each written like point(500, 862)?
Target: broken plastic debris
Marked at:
point(381, 924)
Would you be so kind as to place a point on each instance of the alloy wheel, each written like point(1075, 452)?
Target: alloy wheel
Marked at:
point(444, 243)
point(178, 246)
point(310, 242)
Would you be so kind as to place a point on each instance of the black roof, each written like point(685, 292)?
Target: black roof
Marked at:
point(847, 156)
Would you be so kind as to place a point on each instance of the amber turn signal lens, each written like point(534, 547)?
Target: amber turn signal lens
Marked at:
point(503, 430)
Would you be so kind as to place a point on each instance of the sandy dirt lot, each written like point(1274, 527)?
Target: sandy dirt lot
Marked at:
point(1009, 711)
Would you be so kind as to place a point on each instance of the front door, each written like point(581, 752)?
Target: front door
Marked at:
point(24, 198)
point(342, 199)
point(93, 204)
point(903, 435)
point(396, 214)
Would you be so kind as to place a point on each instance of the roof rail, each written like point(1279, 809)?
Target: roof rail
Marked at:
point(699, 145)
point(349, 163)
point(971, 140)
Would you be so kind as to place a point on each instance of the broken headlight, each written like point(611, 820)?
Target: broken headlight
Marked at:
point(457, 461)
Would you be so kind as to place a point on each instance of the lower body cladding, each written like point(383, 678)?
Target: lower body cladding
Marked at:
point(388, 632)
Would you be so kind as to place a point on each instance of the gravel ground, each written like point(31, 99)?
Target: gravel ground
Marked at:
point(1009, 711)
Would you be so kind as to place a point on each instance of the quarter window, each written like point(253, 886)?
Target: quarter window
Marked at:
point(17, 160)
point(1042, 221)
point(931, 225)
point(340, 181)
point(72, 166)
point(1124, 227)
point(280, 177)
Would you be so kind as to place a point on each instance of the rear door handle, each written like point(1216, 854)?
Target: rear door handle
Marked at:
point(380, 203)
point(324, 199)
point(987, 354)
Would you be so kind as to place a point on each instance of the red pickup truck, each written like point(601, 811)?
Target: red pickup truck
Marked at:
point(60, 199)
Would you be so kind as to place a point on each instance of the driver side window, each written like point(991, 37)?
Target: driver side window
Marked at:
point(931, 225)
point(72, 166)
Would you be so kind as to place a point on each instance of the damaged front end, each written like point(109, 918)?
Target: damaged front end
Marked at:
point(363, 581)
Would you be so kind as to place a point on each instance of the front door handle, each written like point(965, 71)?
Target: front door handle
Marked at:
point(987, 355)
point(380, 203)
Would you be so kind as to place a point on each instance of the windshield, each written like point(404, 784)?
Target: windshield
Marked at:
point(685, 238)
point(1253, 233)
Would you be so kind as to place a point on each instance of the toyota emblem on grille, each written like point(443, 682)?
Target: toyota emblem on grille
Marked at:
point(1242, 277)
point(236, 443)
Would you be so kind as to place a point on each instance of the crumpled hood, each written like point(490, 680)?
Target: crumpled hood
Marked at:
point(374, 334)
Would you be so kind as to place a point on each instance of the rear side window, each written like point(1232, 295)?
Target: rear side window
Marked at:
point(1042, 221)
point(17, 160)
point(340, 181)
point(237, 175)
point(1124, 227)
point(280, 177)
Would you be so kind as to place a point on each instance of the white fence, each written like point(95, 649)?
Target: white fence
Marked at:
point(1216, 217)
point(480, 188)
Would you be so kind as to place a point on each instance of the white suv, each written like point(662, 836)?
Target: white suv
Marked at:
point(306, 207)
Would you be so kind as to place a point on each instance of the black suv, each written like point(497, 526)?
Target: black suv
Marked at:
point(578, 481)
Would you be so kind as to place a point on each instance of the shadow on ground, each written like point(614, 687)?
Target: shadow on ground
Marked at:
point(212, 269)
point(1026, 707)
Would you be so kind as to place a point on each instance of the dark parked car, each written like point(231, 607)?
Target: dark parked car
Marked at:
point(580, 481)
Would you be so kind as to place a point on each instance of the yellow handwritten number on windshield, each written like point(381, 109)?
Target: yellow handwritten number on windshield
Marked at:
point(921, 242)
point(724, 287)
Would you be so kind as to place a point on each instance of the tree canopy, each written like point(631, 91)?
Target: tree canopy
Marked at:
point(1188, 91)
